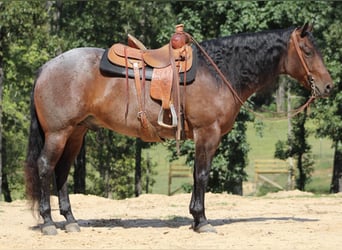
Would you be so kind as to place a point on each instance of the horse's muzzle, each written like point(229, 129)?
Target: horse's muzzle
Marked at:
point(326, 90)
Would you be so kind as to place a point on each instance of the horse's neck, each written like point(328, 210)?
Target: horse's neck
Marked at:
point(249, 61)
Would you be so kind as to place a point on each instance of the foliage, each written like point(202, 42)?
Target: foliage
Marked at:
point(32, 32)
point(328, 114)
point(228, 168)
point(25, 44)
point(297, 145)
point(113, 157)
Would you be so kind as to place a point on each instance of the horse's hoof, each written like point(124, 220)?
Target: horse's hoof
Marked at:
point(207, 228)
point(72, 227)
point(49, 230)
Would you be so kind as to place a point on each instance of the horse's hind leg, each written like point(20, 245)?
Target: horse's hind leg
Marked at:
point(72, 148)
point(53, 148)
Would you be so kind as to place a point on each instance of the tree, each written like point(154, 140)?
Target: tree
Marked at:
point(2, 32)
point(1, 81)
point(300, 149)
point(80, 171)
point(32, 32)
point(25, 45)
point(228, 168)
point(328, 114)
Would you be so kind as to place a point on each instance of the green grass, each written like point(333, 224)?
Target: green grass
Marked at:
point(260, 147)
point(159, 154)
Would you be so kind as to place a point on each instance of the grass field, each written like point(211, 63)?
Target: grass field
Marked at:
point(260, 148)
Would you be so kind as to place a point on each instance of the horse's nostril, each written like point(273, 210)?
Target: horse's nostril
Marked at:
point(328, 88)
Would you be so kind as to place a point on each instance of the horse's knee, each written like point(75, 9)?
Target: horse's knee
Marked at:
point(202, 177)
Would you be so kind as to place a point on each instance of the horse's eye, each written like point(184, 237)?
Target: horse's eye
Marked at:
point(308, 52)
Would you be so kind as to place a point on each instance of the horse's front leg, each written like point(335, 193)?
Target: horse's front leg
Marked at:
point(206, 143)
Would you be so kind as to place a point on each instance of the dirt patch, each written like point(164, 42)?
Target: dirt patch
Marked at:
point(284, 220)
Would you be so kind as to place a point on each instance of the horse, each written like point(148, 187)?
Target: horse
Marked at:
point(71, 95)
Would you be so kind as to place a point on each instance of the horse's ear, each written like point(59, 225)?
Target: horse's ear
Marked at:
point(305, 29)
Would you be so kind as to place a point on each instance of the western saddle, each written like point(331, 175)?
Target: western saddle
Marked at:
point(167, 63)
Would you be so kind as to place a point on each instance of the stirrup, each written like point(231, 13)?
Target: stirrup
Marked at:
point(173, 115)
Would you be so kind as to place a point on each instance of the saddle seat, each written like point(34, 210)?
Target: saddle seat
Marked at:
point(122, 54)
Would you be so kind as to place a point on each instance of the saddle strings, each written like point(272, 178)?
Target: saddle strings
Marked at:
point(127, 84)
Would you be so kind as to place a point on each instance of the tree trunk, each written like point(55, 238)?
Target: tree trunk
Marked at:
point(302, 177)
point(5, 188)
point(1, 86)
point(237, 188)
point(336, 182)
point(300, 164)
point(4, 183)
point(280, 95)
point(80, 171)
point(137, 186)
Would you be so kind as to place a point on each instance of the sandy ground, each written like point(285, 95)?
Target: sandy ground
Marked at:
point(284, 220)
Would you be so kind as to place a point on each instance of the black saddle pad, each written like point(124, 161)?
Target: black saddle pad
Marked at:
point(112, 70)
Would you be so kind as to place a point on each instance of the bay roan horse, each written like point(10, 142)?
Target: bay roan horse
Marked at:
point(71, 95)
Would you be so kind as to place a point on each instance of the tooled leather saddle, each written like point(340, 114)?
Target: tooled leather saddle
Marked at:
point(166, 68)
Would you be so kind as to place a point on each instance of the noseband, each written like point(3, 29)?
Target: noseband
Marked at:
point(310, 78)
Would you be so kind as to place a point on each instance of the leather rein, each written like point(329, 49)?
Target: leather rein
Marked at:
point(236, 95)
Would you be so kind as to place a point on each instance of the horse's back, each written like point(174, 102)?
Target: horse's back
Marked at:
point(74, 59)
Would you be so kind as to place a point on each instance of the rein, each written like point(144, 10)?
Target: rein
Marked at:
point(235, 94)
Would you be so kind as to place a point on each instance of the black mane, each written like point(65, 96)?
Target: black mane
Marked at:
point(248, 58)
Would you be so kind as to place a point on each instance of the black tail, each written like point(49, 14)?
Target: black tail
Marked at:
point(35, 146)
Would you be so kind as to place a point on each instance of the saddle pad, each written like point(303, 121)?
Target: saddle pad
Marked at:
point(111, 70)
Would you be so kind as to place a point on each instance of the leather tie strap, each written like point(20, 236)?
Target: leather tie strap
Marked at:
point(300, 55)
point(138, 85)
point(148, 131)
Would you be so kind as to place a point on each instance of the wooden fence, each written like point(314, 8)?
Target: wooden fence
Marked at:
point(263, 167)
point(177, 171)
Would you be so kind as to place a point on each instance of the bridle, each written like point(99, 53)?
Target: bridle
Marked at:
point(310, 78)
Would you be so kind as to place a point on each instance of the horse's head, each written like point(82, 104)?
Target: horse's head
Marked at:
point(304, 62)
